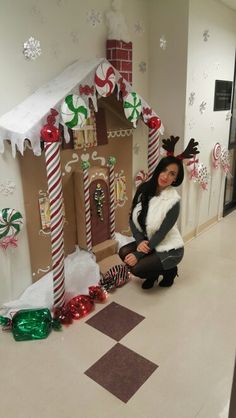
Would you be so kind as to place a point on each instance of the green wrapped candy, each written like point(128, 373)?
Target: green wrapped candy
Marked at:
point(33, 324)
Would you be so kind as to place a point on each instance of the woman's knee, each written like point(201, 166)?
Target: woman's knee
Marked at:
point(127, 249)
point(137, 271)
point(123, 251)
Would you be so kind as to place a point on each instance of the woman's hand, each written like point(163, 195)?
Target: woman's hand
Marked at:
point(131, 260)
point(143, 247)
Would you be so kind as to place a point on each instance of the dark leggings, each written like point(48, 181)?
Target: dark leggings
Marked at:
point(148, 267)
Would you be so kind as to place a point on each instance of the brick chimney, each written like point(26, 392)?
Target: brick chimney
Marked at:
point(119, 54)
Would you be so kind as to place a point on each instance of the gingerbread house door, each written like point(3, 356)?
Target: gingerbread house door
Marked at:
point(100, 211)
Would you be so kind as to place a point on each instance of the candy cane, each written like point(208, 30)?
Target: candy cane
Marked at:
point(53, 166)
point(85, 166)
point(51, 136)
point(153, 150)
point(111, 163)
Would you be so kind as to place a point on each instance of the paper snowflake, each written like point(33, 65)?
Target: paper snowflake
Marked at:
point(142, 67)
point(136, 148)
point(94, 18)
point(191, 124)
point(138, 28)
point(228, 115)
point(36, 11)
point(7, 188)
point(206, 35)
point(32, 49)
point(75, 37)
point(163, 42)
point(191, 98)
point(202, 107)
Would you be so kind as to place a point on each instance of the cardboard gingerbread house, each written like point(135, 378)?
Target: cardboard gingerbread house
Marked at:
point(73, 139)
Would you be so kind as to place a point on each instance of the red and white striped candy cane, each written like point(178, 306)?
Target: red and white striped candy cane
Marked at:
point(153, 150)
point(111, 163)
point(154, 124)
point(85, 167)
point(53, 166)
point(140, 178)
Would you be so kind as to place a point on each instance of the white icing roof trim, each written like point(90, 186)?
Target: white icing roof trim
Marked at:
point(25, 120)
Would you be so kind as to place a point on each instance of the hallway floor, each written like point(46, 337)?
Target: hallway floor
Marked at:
point(170, 353)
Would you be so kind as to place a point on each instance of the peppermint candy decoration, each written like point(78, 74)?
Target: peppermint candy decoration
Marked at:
point(74, 111)
point(116, 276)
point(216, 154)
point(11, 222)
point(192, 168)
point(140, 178)
point(202, 176)
point(105, 79)
point(225, 160)
point(132, 107)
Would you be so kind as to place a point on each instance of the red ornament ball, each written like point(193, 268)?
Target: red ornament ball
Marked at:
point(80, 306)
point(154, 122)
point(50, 133)
point(97, 293)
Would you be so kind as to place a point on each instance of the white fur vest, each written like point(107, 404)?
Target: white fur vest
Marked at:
point(158, 208)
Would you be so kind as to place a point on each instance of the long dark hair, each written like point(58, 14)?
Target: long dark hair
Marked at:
point(148, 189)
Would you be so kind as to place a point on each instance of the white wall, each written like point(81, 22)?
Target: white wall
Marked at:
point(207, 61)
point(14, 262)
point(63, 29)
point(168, 68)
point(188, 64)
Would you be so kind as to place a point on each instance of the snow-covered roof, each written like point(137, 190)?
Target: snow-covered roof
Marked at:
point(25, 120)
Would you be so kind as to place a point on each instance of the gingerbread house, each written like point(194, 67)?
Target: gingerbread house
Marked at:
point(73, 139)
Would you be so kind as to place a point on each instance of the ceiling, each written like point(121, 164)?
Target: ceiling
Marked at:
point(229, 3)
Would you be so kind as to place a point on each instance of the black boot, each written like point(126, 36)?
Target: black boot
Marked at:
point(149, 283)
point(168, 277)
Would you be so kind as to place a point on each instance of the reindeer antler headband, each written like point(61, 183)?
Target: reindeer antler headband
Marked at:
point(189, 152)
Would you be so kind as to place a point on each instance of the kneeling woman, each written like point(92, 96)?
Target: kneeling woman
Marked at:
point(158, 247)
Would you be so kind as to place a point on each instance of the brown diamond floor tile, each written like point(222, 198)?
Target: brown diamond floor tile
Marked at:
point(121, 371)
point(115, 321)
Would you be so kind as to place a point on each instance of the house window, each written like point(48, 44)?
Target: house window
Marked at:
point(86, 137)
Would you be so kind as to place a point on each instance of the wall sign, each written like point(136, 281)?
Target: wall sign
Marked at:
point(223, 92)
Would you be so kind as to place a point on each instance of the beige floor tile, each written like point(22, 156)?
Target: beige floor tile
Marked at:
point(188, 331)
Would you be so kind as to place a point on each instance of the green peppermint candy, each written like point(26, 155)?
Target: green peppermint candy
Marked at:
point(132, 107)
point(11, 222)
point(85, 165)
point(74, 111)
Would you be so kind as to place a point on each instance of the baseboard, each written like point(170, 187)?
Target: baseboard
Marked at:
point(202, 228)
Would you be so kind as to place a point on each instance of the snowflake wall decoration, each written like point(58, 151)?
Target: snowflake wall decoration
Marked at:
point(94, 18)
point(7, 188)
point(191, 98)
point(202, 107)
point(75, 37)
point(138, 28)
point(163, 42)
point(136, 148)
point(205, 75)
point(35, 11)
point(206, 35)
point(32, 49)
point(142, 67)
point(228, 115)
point(191, 124)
